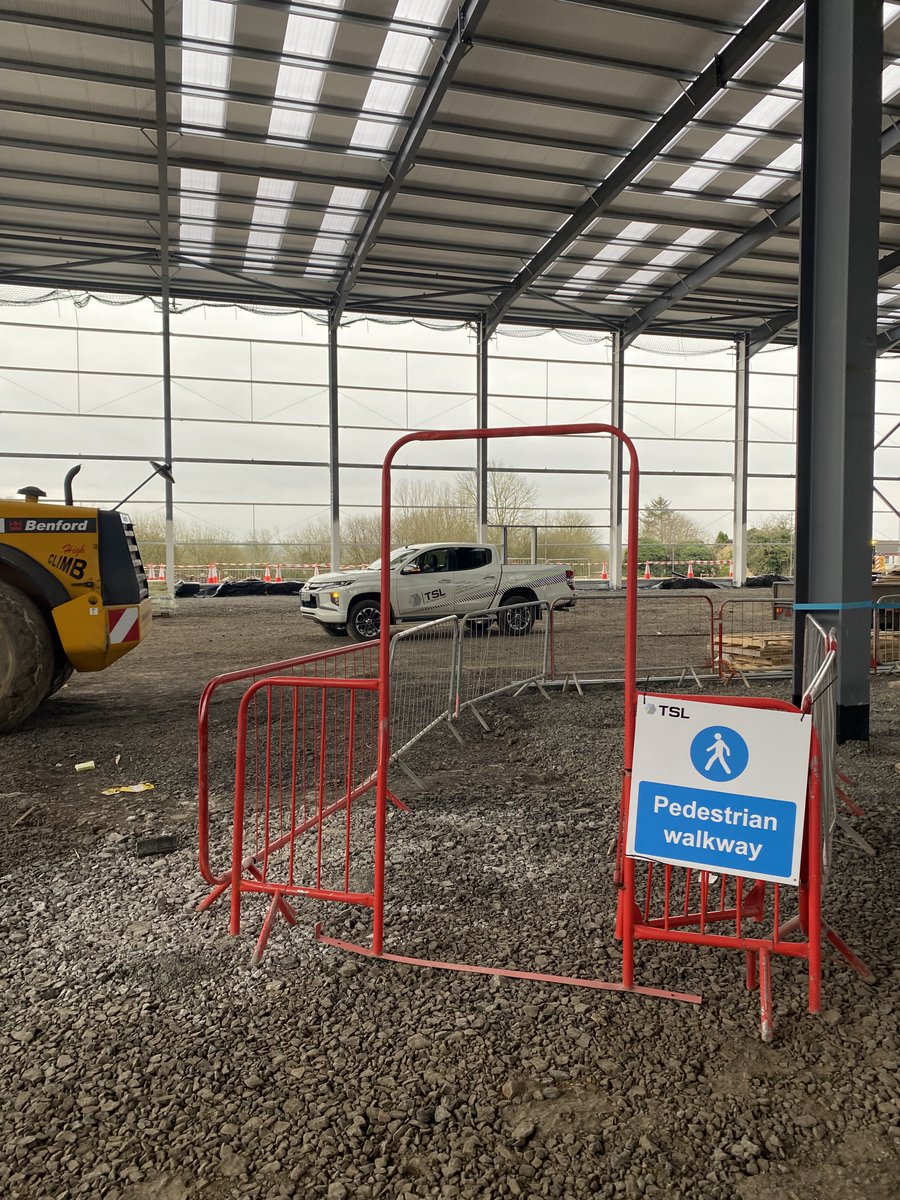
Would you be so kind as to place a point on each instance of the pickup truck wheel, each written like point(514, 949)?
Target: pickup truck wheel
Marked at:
point(518, 622)
point(335, 630)
point(26, 657)
point(364, 620)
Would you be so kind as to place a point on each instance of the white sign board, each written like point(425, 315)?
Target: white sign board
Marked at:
point(719, 787)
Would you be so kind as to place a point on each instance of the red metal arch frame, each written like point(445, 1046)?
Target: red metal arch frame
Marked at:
point(384, 648)
point(630, 677)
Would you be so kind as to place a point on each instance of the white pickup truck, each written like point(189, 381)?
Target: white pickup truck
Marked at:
point(436, 580)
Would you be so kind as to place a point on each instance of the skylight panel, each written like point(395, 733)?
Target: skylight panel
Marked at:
point(209, 20)
point(336, 221)
point(268, 222)
point(314, 38)
point(404, 53)
point(197, 208)
point(203, 111)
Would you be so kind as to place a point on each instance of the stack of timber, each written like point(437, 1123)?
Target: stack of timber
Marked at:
point(749, 651)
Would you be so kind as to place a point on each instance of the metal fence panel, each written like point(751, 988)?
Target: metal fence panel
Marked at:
point(886, 633)
point(755, 636)
point(820, 699)
point(502, 652)
point(423, 680)
point(306, 755)
point(674, 637)
point(216, 737)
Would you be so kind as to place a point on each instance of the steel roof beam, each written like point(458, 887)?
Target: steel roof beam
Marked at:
point(457, 46)
point(705, 87)
point(59, 180)
point(253, 53)
point(60, 236)
point(770, 329)
point(541, 99)
point(481, 132)
point(785, 215)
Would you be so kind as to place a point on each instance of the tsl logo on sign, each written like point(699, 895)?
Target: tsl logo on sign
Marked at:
point(719, 788)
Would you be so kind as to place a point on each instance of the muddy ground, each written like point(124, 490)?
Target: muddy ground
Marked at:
point(142, 1055)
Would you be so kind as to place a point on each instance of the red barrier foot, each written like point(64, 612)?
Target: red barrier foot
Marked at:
point(267, 925)
point(751, 970)
point(766, 1017)
point(397, 803)
point(213, 896)
point(473, 969)
point(865, 974)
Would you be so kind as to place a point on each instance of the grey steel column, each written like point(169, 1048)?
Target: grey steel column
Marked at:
point(741, 427)
point(334, 454)
point(481, 421)
point(617, 417)
point(836, 366)
point(162, 175)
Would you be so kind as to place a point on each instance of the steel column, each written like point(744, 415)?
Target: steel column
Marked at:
point(617, 418)
point(836, 366)
point(334, 454)
point(741, 429)
point(482, 490)
point(162, 170)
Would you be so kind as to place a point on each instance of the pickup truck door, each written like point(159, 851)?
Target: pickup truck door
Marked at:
point(477, 578)
point(425, 585)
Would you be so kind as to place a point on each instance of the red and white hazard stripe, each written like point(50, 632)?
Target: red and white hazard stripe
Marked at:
point(124, 625)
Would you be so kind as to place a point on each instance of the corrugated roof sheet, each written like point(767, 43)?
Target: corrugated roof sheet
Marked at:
point(546, 100)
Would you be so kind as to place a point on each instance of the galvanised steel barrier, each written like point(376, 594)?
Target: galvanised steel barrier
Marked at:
point(500, 652)
point(423, 664)
point(754, 637)
point(674, 639)
point(886, 633)
point(819, 680)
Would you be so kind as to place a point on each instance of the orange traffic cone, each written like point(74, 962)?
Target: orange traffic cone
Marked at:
point(690, 573)
point(278, 578)
point(212, 575)
point(604, 574)
point(267, 576)
point(647, 574)
point(731, 570)
point(161, 574)
point(151, 573)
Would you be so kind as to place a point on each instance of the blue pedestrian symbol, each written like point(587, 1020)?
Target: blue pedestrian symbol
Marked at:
point(719, 754)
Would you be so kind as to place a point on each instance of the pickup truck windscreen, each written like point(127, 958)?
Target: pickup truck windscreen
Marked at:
point(395, 558)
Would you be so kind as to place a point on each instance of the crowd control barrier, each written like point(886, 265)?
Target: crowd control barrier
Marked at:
point(665, 903)
point(754, 637)
point(423, 666)
point(306, 756)
point(674, 639)
point(215, 743)
point(886, 634)
point(499, 653)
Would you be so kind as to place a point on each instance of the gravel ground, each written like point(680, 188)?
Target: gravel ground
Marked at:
point(144, 1058)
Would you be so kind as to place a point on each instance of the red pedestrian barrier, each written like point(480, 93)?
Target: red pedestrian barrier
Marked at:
point(665, 903)
point(215, 737)
point(306, 753)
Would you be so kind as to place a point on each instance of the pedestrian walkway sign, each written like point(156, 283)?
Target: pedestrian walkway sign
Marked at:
point(719, 787)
